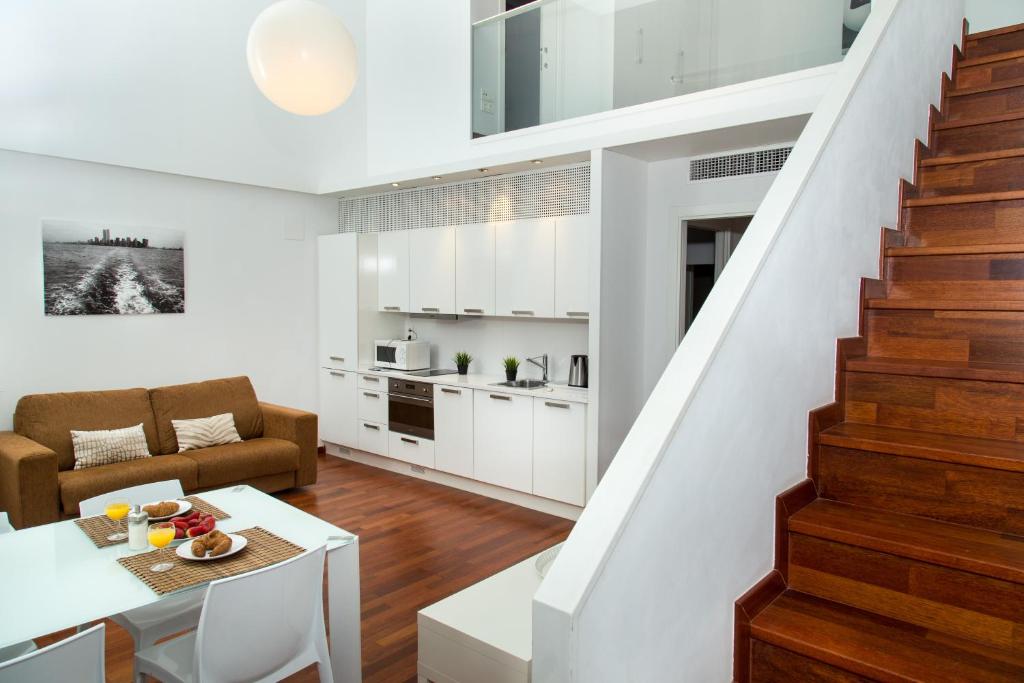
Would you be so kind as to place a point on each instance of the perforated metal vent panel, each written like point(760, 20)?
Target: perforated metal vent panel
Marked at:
point(533, 194)
point(744, 163)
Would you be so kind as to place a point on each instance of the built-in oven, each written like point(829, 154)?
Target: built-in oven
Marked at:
point(411, 408)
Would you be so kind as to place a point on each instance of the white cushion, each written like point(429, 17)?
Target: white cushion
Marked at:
point(107, 446)
point(204, 432)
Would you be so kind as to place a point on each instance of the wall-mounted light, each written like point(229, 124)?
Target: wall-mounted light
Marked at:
point(302, 57)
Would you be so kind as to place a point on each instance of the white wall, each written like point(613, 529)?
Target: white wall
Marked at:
point(489, 340)
point(988, 14)
point(682, 523)
point(250, 293)
point(165, 86)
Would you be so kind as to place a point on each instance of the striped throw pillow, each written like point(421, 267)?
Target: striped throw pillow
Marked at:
point(205, 431)
point(107, 446)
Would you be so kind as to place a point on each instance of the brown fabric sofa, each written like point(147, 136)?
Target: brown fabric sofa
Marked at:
point(38, 482)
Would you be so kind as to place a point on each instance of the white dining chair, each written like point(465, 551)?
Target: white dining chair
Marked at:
point(78, 658)
point(173, 614)
point(260, 627)
point(18, 649)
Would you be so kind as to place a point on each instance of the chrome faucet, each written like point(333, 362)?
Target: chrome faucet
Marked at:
point(543, 364)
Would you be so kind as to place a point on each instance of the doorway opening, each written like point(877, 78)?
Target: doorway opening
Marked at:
point(705, 245)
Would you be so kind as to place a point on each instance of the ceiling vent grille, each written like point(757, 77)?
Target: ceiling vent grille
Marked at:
point(531, 194)
point(743, 163)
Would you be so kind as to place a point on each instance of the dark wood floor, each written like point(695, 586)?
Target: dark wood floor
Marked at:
point(419, 543)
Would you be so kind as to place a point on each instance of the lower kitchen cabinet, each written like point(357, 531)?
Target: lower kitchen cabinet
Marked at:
point(411, 449)
point(373, 437)
point(453, 430)
point(338, 407)
point(373, 406)
point(559, 450)
point(503, 439)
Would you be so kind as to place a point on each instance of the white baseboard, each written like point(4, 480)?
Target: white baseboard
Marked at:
point(526, 500)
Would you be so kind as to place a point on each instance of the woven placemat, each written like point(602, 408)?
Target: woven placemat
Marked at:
point(99, 527)
point(262, 550)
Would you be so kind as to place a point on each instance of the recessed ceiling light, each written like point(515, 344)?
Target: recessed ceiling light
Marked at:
point(484, 170)
point(394, 184)
point(437, 177)
point(537, 161)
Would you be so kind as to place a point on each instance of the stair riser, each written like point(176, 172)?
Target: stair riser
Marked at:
point(961, 494)
point(996, 175)
point(969, 267)
point(981, 336)
point(942, 599)
point(989, 103)
point(983, 47)
point(966, 290)
point(772, 664)
point(989, 137)
point(991, 410)
point(960, 224)
point(986, 74)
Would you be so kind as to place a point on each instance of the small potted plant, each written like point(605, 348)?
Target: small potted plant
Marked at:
point(511, 368)
point(462, 361)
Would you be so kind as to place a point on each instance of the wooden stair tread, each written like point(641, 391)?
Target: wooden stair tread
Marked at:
point(989, 59)
point(969, 549)
point(981, 371)
point(945, 305)
point(979, 120)
point(961, 450)
point(974, 157)
point(971, 198)
point(988, 87)
point(875, 646)
point(1002, 30)
point(957, 250)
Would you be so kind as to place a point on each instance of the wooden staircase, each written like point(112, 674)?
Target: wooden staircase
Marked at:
point(901, 558)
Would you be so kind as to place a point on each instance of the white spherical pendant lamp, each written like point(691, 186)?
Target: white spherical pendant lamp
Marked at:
point(302, 57)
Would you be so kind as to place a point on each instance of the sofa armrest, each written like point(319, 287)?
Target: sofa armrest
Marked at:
point(28, 481)
point(299, 427)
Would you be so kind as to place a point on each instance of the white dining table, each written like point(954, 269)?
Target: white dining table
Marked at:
point(52, 577)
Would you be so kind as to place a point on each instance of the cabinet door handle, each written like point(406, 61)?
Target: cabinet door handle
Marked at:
point(372, 379)
point(392, 308)
point(577, 314)
point(370, 426)
point(336, 373)
point(430, 309)
point(370, 394)
point(340, 359)
point(445, 390)
point(473, 310)
point(549, 404)
point(500, 397)
point(412, 441)
point(522, 312)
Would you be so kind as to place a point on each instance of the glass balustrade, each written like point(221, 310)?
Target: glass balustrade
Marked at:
point(552, 60)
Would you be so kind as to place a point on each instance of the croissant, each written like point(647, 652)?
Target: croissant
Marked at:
point(220, 546)
point(199, 547)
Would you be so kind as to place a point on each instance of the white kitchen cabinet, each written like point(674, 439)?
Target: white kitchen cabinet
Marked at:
point(338, 407)
point(474, 269)
point(503, 439)
point(411, 449)
point(373, 406)
point(432, 270)
point(373, 382)
point(524, 265)
point(572, 267)
point(338, 300)
point(453, 430)
point(373, 437)
point(559, 450)
point(393, 271)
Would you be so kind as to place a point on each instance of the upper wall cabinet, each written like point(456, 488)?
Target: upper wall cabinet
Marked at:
point(572, 267)
point(393, 271)
point(474, 269)
point(524, 264)
point(432, 270)
point(337, 298)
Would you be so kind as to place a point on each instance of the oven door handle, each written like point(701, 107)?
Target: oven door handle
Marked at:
point(402, 398)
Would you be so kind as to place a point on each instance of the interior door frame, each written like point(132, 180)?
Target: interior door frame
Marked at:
point(681, 216)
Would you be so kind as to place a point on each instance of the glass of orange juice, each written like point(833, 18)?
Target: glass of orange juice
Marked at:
point(117, 509)
point(160, 534)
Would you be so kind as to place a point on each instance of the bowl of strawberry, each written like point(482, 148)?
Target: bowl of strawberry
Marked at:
point(192, 525)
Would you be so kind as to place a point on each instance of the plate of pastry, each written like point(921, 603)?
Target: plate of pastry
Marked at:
point(165, 509)
point(211, 546)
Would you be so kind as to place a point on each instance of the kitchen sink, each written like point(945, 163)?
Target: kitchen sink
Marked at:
point(523, 384)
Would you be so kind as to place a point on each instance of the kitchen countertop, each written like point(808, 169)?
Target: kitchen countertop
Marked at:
point(554, 391)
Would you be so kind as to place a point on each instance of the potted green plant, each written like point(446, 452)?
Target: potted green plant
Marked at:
point(462, 361)
point(511, 368)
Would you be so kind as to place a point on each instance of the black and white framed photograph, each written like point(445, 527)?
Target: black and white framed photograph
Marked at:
point(100, 269)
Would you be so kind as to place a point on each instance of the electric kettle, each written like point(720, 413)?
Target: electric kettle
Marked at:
point(578, 371)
